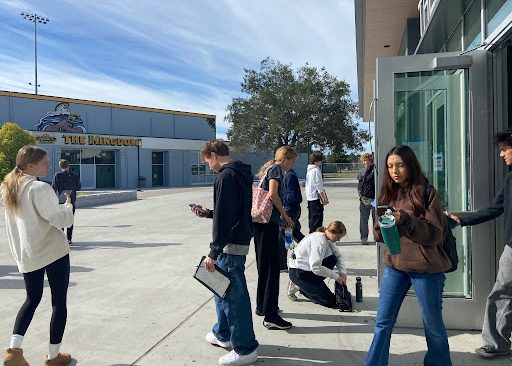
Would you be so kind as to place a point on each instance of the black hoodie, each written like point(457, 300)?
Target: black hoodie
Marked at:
point(232, 201)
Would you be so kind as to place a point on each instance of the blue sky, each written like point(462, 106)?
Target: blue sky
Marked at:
point(186, 55)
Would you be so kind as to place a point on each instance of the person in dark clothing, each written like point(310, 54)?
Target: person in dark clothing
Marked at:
point(67, 180)
point(497, 326)
point(291, 201)
point(232, 234)
point(366, 191)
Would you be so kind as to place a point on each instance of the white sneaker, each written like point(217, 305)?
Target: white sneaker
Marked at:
point(292, 290)
point(233, 358)
point(210, 337)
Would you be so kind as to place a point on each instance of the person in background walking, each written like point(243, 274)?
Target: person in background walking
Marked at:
point(67, 180)
point(315, 193)
point(366, 191)
point(266, 238)
point(232, 233)
point(421, 262)
point(497, 325)
point(34, 220)
point(291, 202)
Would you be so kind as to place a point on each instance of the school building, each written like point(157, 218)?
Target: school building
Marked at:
point(113, 145)
point(436, 75)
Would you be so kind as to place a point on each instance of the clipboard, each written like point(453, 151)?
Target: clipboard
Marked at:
point(217, 282)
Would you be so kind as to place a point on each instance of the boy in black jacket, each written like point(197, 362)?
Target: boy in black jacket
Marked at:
point(67, 180)
point(232, 233)
point(497, 326)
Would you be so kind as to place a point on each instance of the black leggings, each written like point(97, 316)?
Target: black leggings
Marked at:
point(58, 278)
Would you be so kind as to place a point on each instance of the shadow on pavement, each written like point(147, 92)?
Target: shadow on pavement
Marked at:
point(17, 283)
point(117, 244)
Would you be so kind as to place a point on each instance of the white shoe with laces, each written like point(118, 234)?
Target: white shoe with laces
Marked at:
point(210, 337)
point(233, 358)
point(292, 290)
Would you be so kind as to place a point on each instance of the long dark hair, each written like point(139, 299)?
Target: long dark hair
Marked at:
point(416, 180)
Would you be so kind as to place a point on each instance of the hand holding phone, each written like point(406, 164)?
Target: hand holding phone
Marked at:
point(198, 210)
point(385, 207)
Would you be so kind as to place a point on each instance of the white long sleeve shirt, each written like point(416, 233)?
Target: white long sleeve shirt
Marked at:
point(310, 253)
point(314, 182)
point(34, 231)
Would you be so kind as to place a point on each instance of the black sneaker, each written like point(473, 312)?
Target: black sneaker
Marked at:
point(276, 322)
point(490, 352)
point(259, 312)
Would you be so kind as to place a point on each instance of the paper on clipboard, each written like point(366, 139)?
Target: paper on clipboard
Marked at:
point(217, 281)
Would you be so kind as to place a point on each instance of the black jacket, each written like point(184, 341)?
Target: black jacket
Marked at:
point(502, 203)
point(66, 180)
point(366, 185)
point(292, 194)
point(232, 201)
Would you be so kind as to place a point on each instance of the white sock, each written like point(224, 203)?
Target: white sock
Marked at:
point(16, 341)
point(53, 351)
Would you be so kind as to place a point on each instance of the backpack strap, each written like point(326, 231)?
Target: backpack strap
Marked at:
point(426, 195)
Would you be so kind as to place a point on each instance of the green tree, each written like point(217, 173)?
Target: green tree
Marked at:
point(12, 138)
point(303, 108)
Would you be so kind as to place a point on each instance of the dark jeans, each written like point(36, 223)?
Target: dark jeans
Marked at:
point(315, 215)
point(69, 230)
point(364, 215)
point(266, 243)
point(294, 213)
point(58, 278)
point(234, 316)
point(313, 286)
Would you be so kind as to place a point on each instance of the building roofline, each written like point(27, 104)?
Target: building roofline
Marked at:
point(103, 104)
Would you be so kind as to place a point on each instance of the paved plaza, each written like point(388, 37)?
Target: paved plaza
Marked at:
point(133, 301)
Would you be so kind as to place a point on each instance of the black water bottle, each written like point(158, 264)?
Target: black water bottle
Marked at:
point(359, 289)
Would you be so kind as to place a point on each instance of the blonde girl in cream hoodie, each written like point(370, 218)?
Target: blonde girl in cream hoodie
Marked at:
point(34, 220)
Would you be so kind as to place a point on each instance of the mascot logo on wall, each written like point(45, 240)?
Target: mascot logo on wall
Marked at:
point(61, 120)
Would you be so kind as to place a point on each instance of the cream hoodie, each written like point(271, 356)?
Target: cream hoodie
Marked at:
point(34, 232)
point(310, 253)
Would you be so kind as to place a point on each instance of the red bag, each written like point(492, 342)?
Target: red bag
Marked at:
point(262, 205)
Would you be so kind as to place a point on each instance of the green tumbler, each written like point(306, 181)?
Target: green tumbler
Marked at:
point(390, 233)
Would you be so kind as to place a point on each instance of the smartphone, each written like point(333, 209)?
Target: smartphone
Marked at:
point(62, 196)
point(385, 207)
point(198, 209)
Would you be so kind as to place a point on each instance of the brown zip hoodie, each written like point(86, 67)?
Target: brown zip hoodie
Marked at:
point(421, 238)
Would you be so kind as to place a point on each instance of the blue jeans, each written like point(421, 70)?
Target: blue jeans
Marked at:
point(429, 292)
point(234, 316)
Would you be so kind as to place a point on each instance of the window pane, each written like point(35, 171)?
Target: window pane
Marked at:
point(88, 156)
point(158, 157)
point(106, 157)
point(73, 156)
point(472, 22)
point(454, 43)
point(497, 11)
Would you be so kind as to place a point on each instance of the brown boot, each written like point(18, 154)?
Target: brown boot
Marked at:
point(62, 359)
point(14, 357)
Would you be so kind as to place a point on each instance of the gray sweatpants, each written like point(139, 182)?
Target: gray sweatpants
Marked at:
point(498, 310)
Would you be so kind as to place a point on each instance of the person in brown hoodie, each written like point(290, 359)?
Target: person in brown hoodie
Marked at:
point(421, 262)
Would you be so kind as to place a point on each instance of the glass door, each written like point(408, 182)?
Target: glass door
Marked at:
point(431, 117)
point(437, 105)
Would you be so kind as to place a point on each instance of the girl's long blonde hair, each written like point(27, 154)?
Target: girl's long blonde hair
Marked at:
point(12, 181)
point(284, 152)
point(335, 227)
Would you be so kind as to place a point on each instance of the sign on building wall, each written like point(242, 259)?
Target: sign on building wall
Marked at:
point(61, 120)
point(85, 140)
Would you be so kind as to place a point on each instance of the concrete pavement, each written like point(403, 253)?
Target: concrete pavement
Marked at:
point(133, 301)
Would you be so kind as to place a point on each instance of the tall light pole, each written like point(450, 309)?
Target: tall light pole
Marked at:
point(34, 18)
